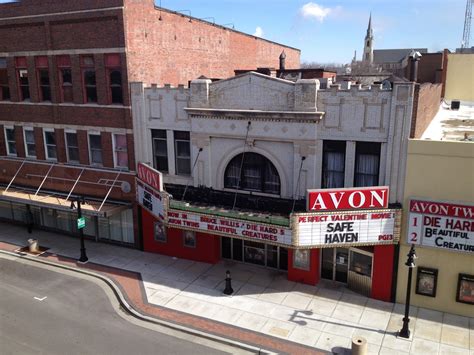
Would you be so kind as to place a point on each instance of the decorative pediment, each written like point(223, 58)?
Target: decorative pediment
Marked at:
point(252, 91)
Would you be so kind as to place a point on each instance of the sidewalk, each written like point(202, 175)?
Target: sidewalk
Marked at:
point(266, 309)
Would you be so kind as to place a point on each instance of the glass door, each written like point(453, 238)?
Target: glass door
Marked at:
point(341, 262)
point(327, 263)
point(334, 264)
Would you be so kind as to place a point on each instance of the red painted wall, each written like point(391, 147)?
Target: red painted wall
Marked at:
point(310, 277)
point(207, 245)
point(383, 272)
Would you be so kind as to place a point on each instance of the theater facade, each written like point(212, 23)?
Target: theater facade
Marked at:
point(275, 173)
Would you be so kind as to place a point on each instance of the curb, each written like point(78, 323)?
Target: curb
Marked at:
point(135, 313)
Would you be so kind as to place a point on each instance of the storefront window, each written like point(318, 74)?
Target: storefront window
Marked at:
point(361, 263)
point(19, 212)
point(63, 220)
point(104, 230)
point(127, 226)
point(254, 253)
point(90, 228)
point(301, 259)
point(272, 256)
point(49, 217)
point(6, 210)
point(115, 227)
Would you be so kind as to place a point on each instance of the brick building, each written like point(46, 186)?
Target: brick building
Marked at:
point(238, 157)
point(65, 115)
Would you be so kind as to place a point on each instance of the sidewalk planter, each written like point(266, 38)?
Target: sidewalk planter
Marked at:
point(33, 245)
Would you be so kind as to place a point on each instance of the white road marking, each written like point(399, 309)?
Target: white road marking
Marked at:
point(40, 299)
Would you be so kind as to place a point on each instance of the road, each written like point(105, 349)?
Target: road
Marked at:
point(76, 317)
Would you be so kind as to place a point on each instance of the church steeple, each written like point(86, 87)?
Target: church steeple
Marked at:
point(368, 55)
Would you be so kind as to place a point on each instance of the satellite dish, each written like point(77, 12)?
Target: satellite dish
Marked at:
point(125, 187)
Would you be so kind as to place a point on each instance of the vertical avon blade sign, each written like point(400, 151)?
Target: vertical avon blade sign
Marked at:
point(150, 176)
point(347, 199)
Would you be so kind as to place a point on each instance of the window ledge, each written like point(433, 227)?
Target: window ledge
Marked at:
point(253, 193)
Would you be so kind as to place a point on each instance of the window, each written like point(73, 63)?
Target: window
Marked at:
point(112, 63)
point(72, 147)
point(367, 164)
point(30, 145)
point(182, 149)
point(334, 160)
point(42, 73)
point(89, 82)
point(10, 139)
point(50, 144)
point(95, 149)
point(4, 88)
point(257, 174)
point(22, 77)
point(65, 78)
point(189, 239)
point(120, 151)
point(160, 149)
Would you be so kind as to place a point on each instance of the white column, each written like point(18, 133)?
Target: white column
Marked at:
point(350, 164)
point(318, 164)
point(171, 153)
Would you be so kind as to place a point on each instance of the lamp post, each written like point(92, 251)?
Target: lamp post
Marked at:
point(405, 332)
point(228, 284)
point(83, 258)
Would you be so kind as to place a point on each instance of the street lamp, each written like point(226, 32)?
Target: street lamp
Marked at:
point(79, 201)
point(405, 332)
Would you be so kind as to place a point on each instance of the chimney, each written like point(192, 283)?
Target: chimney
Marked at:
point(414, 58)
point(282, 61)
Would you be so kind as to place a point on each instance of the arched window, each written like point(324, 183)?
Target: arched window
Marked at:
point(257, 174)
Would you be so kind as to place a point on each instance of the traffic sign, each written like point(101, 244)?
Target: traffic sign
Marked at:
point(81, 223)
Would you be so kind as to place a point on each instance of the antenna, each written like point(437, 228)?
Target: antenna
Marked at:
point(467, 25)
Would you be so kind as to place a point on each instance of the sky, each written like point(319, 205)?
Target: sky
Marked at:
point(329, 31)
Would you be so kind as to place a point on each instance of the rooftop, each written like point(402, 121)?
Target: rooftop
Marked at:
point(452, 125)
point(394, 55)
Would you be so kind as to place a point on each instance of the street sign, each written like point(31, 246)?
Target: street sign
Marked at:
point(81, 223)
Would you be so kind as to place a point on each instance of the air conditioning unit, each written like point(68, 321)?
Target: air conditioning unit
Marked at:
point(455, 104)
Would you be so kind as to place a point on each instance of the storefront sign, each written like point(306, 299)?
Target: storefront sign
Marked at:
point(150, 176)
point(151, 200)
point(441, 225)
point(347, 228)
point(229, 227)
point(347, 199)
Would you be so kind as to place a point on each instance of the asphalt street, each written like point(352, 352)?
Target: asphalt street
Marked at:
point(43, 311)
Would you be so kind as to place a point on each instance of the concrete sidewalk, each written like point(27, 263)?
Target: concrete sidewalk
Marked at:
point(323, 317)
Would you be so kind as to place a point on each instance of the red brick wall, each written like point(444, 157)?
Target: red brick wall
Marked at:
point(36, 7)
point(175, 50)
point(425, 106)
point(429, 68)
point(67, 115)
point(207, 245)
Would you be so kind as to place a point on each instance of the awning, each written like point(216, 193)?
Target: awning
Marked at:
point(60, 202)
